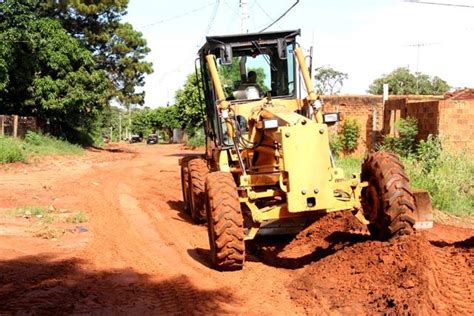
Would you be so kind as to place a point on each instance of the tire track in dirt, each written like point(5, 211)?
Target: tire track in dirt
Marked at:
point(450, 274)
point(145, 256)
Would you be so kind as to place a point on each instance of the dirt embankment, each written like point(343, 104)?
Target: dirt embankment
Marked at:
point(139, 253)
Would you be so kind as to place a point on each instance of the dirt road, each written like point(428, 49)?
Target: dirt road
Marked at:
point(138, 253)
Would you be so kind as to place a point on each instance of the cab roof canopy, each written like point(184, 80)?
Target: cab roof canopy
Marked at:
point(214, 44)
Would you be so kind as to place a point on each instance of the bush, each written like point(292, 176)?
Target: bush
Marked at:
point(429, 152)
point(11, 150)
point(350, 135)
point(336, 145)
point(197, 140)
point(346, 141)
point(405, 144)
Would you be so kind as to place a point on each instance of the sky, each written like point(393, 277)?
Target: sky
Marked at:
point(364, 38)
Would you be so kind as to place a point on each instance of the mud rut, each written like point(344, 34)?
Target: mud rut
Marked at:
point(141, 254)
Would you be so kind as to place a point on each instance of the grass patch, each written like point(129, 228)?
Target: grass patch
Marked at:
point(37, 144)
point(78, 218)
point(30, 211)
point(349, 164)
point(449, 178)
point(34, 144)
point(11, 150)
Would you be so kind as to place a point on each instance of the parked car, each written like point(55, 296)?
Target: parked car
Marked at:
point(152, 139)
point(135, 139)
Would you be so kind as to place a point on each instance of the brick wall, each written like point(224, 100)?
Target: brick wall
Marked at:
point(450, 117)
point(359, 108)
point(456, 124)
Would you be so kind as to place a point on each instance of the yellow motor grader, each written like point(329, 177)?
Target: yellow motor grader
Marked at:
point(268, 166)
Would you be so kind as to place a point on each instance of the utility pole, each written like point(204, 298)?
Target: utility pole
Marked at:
point(244, 16)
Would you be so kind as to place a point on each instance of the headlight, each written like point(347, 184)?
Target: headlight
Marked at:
point(267, 124)
point(331, 117)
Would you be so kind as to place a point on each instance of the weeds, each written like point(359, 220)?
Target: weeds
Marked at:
point(78, 218)
point(11, 150)
point(39, 144)
point(449, 178)
point(34, 144)
point(31, 211)
point(197, 140)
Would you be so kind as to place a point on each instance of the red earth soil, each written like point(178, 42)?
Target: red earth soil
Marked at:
point(139, 253)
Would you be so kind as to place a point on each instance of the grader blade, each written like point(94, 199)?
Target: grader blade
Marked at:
point(424, 210)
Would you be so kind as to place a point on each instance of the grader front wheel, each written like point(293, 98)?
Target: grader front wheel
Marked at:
point(388, 201)
point(198, 171)
point(225, 222)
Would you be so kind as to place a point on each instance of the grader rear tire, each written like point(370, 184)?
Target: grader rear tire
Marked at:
point(225, 222)
point(198, 171)
point(388, 201)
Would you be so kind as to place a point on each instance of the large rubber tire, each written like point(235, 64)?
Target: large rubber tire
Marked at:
point(225, 222)
point(388, 202)
point(185, 186)
point(198, 171)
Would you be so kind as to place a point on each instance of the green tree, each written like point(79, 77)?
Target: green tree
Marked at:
point(117, 47)
point(190, 106)
point(329, 80)
point(142, 122)
point(167, 119)
point(48, 73)
point(402, 81)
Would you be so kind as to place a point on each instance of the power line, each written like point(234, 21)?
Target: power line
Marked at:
point(212, 18)
point(177, 16)
point(281, 16)
point(441, 4)
point(263, 10)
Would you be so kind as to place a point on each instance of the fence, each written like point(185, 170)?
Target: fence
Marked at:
point(17, 126)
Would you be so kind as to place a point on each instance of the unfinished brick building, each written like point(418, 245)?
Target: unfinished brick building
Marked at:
point(450, 117)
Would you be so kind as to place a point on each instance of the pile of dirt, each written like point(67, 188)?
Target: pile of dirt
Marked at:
point(368, 277)
point(342, 269)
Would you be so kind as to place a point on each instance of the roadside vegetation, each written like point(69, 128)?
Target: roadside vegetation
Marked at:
point(34, 144)
point(65, 62)
point(446, 175)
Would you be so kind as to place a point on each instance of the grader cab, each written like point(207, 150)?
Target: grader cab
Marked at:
point(268, 167)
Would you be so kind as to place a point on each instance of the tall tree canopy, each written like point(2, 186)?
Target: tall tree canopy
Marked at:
point(117, 47)
point(329, 80)
point(190, 105)
point(402, 81)
point(64, 60)
point(45, 72)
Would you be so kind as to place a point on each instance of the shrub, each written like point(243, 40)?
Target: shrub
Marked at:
point(429, 152)
point(197, 140)
point(407, 129)
point(350, 135)
point(336, 145)
point(405, 144)
point(11, 150)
